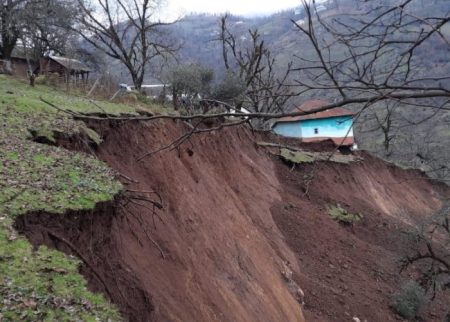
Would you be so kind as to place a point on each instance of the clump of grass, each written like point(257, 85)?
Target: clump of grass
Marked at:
point(144, 99)
point(296, 157)
point(343, 216)
point(409, 301)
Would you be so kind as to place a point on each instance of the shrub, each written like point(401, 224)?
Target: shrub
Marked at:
point(144, 99)
point(39, 80)
point(409, 300)
point(53, 79)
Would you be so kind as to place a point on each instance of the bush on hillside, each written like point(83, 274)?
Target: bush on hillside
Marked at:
point(39, 80)
point(409, 301)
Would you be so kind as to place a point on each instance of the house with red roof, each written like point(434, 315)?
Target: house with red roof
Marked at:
point(335, 124)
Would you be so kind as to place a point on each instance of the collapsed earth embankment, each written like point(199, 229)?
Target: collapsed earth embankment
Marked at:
point(237, 237)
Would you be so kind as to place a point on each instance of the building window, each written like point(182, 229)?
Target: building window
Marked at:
point(316, 130)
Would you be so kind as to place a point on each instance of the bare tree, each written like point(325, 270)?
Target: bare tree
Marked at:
point(127, 31)
point(9, 28)
point(381, 58)
point(49, 25)
point(191, 80)
point(37, 26)
point(252, 62)
point(371, 57)
point(381, 118)
point(349, 58)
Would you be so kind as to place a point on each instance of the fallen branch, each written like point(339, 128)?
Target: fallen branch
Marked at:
point(249, 116)
point(181, 139)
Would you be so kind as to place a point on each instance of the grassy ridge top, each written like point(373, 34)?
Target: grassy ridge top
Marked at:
point(36, 176)
point(45, 284)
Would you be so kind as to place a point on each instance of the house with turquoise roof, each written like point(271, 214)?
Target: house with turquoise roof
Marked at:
point(335, 124)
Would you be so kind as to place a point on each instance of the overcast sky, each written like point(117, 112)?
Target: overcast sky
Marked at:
point(237, 7)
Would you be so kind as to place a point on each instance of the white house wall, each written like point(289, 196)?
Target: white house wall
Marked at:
point(289, 129)
point(335, 127)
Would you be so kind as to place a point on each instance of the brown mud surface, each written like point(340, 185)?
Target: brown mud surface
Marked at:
point(236, 233)
point(352, 271)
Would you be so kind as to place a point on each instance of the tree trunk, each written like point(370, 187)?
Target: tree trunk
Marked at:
point(8, 67)
point(175, 99)
point(137, 79)
point(8, 35)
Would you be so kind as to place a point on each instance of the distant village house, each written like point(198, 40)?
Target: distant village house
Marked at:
point(19, 62)
point(335, 124)
point(64, 66)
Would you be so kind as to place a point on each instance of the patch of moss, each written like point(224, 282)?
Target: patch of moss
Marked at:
point(12, 155)
point(296, 156)
point(343, 216)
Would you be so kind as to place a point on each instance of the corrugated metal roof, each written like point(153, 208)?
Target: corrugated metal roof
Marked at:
point(312, 104)
point(73, 64)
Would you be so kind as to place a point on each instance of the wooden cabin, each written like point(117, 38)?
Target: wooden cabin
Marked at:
point(64, 66)
point(19, 62)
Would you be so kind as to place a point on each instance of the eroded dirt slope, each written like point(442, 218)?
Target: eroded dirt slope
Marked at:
point(225, 255)
point(235, 226)
point(352, 271)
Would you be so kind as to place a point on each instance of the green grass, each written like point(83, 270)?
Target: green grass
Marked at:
point(44, 284)
point(41, 177)
point(23, 98)
point(24, 114)
point(343, 216)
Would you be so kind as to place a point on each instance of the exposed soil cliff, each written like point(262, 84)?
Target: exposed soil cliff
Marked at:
point(237, 234)
point(352, 271)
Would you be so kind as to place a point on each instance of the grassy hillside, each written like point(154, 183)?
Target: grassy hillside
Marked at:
point(44, 284)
